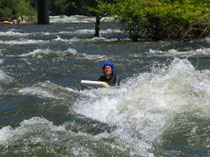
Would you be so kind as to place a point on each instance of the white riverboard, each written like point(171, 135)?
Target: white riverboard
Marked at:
point(89, 83)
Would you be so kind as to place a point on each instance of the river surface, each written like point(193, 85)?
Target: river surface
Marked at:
point(160, 109)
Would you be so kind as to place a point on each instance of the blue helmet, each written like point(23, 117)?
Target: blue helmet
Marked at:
point(109, 64)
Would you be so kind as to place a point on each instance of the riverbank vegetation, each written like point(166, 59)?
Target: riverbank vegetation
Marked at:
point(142, 19)
point(15, 9)
point(148, 19)
point(161, 19)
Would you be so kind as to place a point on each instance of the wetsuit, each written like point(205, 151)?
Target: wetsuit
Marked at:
point(113, 81)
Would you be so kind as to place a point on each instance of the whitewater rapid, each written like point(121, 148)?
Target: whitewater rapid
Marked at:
point(161, 107)
point(144, 106)
point(139, 111)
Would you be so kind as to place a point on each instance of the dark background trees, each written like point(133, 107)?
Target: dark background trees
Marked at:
point(13, 9)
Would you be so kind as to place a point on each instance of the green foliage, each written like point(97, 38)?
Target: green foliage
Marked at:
point(6, 13)
point(149, 19)
point(13, 9)
point(103, 8)
point(60, 6)
point(71, 7)
point(160, 19)
point(25, 8)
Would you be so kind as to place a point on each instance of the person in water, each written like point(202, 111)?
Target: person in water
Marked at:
point(109, 76)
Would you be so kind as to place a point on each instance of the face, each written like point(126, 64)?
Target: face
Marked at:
point(107, 70)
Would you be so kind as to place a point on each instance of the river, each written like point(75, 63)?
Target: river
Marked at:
point(161, 108)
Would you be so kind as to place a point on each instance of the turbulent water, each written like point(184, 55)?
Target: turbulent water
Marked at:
point(161, 108)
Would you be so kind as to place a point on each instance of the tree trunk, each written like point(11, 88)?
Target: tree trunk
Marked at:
point(43, 11)
point(97, 26)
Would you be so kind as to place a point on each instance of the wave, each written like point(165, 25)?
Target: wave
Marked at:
point(176, 53)
point(47, 89)
point(71, 19)
point(93, 39)
point(22, 42)
point(78, 19)
point(43, 53)
point(143, 107)
point(23, 34)
point(37, 135)
point(13, 33)
point(173, 53)
point(47, 53)
point(1, 60)
point(139, 111)
point(32, 41)
point(76, 32)
point(4, 77)
point(92, 31)
point(9, 136)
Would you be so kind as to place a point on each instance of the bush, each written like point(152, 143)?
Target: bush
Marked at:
point(25, 8)
point(13, 9)
point(163, 19)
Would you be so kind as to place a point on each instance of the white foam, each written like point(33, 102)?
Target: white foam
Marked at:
point(104, 39)
point(84, 31)
point(144, 106)
point(42, 53)
point(4, 77)
point(85, 56)
point(71, 19)
point(22, 42)
point(58, 38)
point(47, 89)
point(94, 39)
point(71, 51)
point(78, 19)
point(5, 135)
point(1, 60)
point(92, 31)
point(109, 19)
point(61, 39)
point(176, 53)
point(94, 57)
point(111, 31)
point(37, 91)
point(13, 33)
point(8, 135)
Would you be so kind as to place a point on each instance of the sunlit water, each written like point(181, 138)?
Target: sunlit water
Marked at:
point(162, 107)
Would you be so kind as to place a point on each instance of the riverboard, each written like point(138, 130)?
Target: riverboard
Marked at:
point(97, 84)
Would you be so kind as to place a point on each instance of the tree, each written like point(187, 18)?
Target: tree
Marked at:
point(25, 8)
point(66, 7)
point(163, 19)
point(60, 7)
point(7, 8)
point(102, 9)
point(14, 8)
